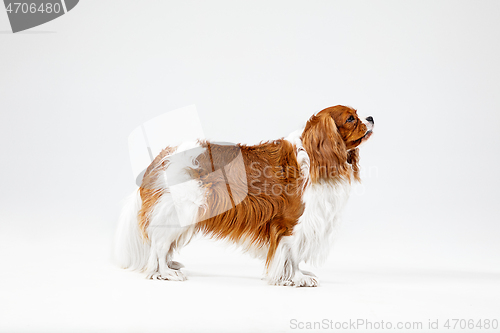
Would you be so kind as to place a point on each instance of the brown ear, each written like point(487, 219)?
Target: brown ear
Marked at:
point(353, 159)
point(326, 149)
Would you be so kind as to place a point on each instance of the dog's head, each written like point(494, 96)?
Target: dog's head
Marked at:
point(331, 138)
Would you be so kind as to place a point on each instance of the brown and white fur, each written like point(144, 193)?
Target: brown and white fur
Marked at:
point(282, 205)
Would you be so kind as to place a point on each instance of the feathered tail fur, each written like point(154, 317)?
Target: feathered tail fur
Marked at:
point(131, 250)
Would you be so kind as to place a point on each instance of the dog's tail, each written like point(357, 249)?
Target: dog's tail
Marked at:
point(131, 250)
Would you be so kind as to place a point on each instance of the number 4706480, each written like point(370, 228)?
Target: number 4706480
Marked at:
point(24, 7)
point(485, 324)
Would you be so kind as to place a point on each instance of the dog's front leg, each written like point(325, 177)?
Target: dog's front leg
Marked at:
point(283, 269)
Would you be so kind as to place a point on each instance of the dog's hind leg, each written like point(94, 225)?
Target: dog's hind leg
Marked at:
point(157, 268)
point(183, 239)
point(165, 233)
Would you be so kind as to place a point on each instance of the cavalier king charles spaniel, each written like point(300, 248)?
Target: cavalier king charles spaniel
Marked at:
point(279, 200)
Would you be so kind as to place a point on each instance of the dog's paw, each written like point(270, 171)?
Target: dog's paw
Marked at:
point(287, 283)
point(175, 265)
point(171, 275)
point(301, 280)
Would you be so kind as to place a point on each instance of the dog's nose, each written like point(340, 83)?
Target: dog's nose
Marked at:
point(370, 119)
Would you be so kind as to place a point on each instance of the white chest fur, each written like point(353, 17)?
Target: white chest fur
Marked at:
point(313, 234)
point(324, 202)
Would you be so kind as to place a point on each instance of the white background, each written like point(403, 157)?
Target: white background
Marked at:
point(420, 238)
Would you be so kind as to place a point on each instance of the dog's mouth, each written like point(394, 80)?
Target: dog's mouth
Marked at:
point(361, 140)
point(367, 135)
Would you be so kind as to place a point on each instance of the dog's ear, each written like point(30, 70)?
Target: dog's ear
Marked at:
point(326, 148)
point(353, 160)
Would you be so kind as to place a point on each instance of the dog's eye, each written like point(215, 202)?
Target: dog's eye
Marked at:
point(350, 119)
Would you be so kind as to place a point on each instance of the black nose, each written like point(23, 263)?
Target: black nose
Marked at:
point(370, 119)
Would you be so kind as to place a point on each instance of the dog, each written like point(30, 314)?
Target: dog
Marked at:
point(279, 200)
